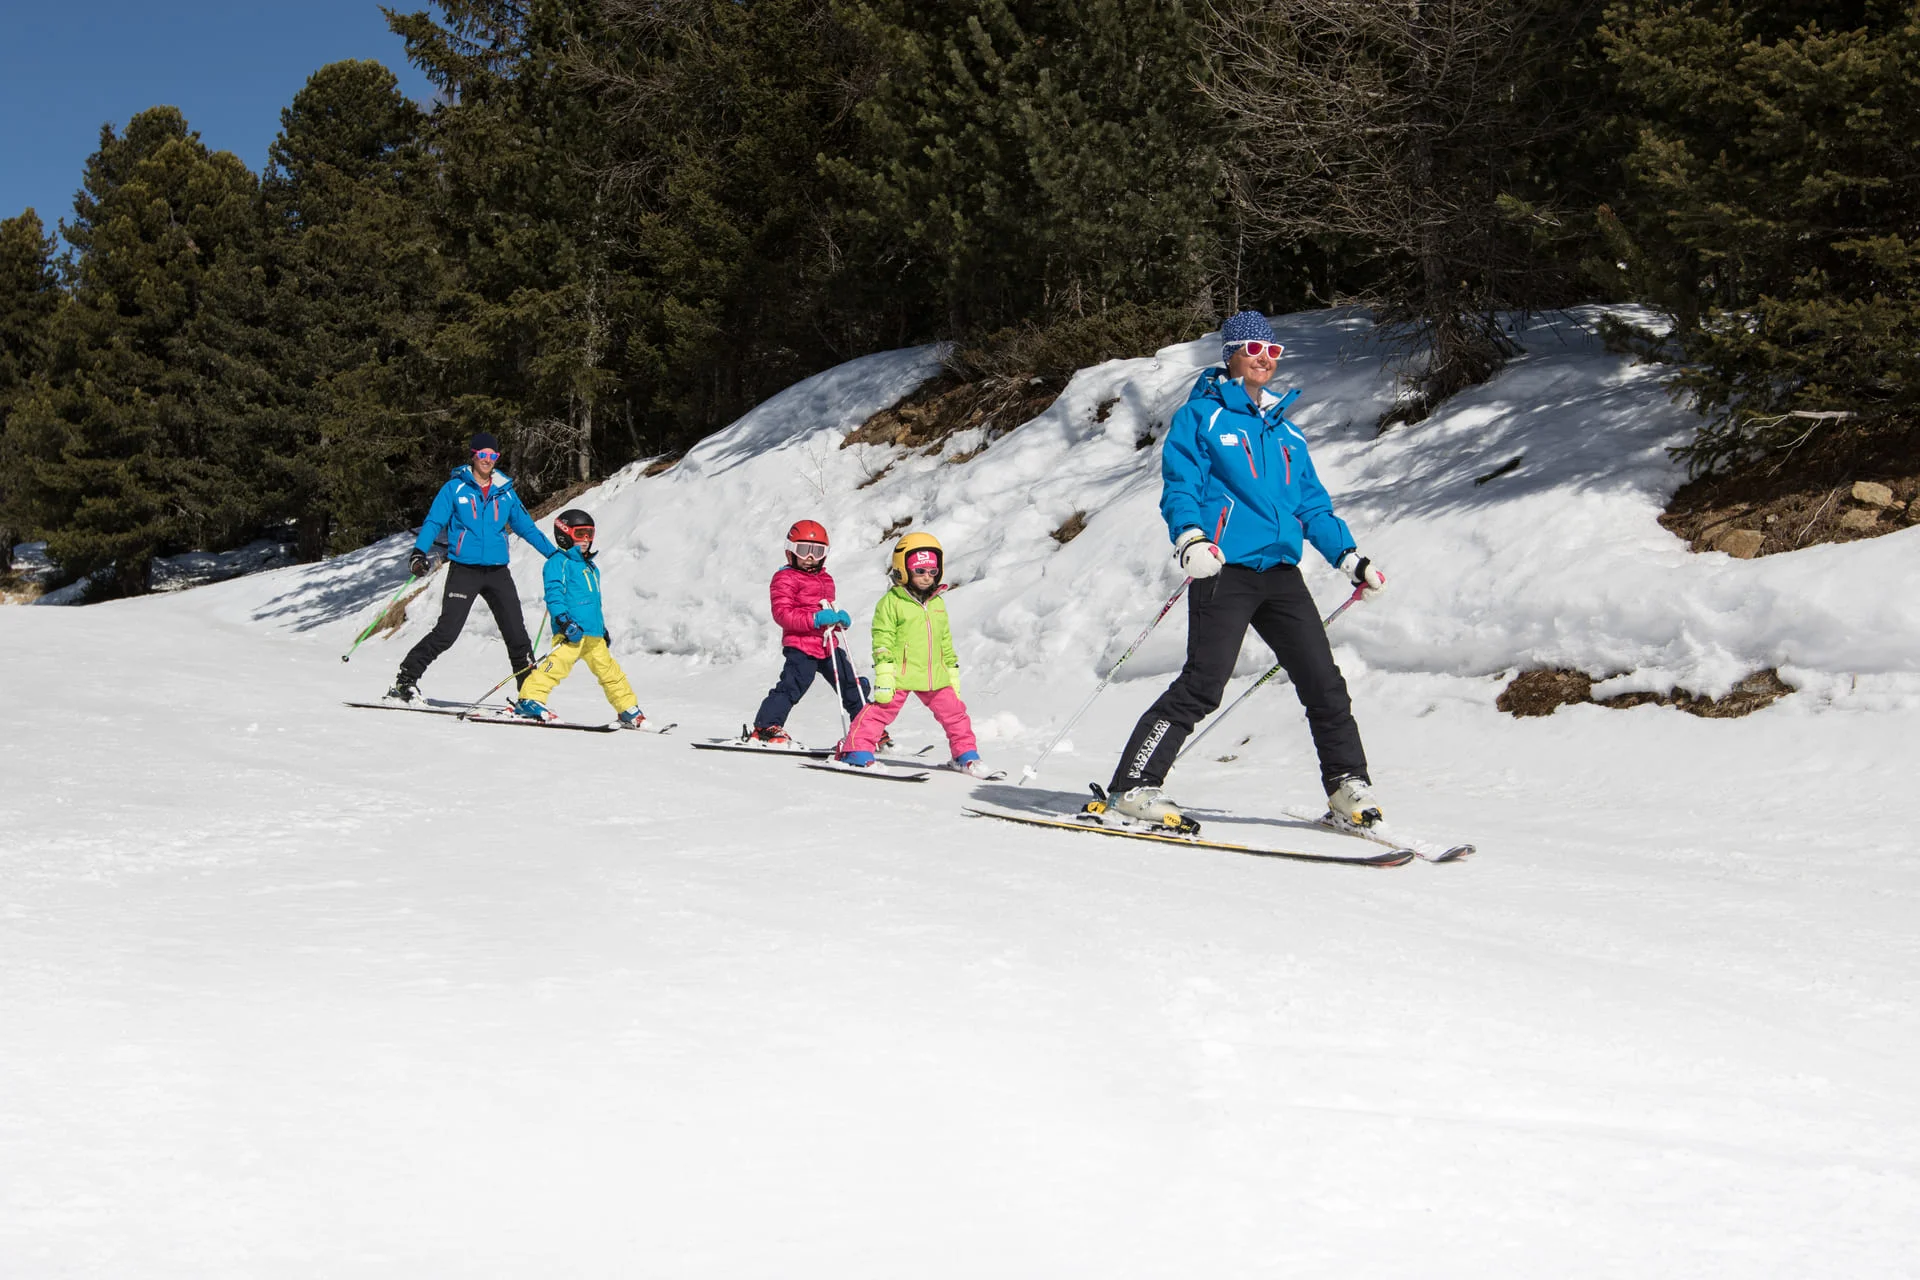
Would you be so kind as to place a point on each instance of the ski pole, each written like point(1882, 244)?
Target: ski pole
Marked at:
point(378, 618)
point(833, 670)
point(1033, 770)
point(1275, 670)
point(512, 674)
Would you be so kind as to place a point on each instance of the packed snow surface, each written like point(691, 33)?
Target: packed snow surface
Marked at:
point(296, 989)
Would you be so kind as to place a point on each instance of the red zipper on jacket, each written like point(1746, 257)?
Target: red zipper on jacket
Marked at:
point(1247, 449)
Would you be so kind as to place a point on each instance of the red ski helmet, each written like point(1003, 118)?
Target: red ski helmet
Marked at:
point(573, 528)
point(807, 546)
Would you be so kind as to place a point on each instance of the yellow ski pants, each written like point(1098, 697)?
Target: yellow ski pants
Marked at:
point(552, 669)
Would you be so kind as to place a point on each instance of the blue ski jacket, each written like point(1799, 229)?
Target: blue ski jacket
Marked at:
point(573, 591)
point(1241, 475)
point(476, 520)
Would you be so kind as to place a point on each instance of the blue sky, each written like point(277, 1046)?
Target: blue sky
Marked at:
point(66, 69)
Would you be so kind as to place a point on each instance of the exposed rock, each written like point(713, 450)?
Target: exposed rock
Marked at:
point(1741, 544)
point(1541, 692)
point(1859, 519)
point(1872, 493)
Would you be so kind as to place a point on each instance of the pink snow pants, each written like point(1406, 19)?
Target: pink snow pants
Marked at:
point(945, 705)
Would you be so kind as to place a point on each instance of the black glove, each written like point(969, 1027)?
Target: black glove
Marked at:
point(418, 565)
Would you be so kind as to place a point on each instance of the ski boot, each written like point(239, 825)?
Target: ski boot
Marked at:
point(971, 765)
point(858, 759)
point(1148, 807)
point(632, 718)
point(404, 689)
point(1351, 802)
point(771, 734)
point(885, 743)
point(528, 709)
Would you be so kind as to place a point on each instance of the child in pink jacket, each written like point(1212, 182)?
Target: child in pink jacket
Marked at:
point(802, 598)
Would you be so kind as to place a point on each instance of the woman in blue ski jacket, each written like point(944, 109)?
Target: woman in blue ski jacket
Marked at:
point(473, 511)
point(1242, 501)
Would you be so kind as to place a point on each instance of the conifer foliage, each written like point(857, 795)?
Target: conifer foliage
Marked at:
point(116, 456)
point(621, 223)
point(1778, 182)
point(29, 297)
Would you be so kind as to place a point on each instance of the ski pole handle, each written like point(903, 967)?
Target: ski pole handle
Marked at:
point(377, 619)
point(1033, 770)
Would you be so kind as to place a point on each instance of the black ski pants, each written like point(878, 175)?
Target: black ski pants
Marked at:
point(797, 677)
point(1277, 604)
point(494, 584)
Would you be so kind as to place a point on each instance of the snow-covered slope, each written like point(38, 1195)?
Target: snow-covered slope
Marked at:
point(293, 989)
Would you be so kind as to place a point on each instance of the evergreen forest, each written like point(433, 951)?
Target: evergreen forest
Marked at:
point(621, 223)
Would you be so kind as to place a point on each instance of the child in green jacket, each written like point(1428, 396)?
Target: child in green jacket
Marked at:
point(913, 653)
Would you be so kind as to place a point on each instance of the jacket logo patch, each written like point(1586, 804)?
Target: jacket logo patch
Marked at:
point(1229, 439)
point(465, 498)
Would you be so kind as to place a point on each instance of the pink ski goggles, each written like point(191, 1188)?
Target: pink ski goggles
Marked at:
point(923, 562)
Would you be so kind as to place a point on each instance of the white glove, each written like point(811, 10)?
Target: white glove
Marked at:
point(1362, 572)
point(1198, 557)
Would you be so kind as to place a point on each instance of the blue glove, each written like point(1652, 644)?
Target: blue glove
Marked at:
point(827, 618)
point(567, 629)
point(841, 618)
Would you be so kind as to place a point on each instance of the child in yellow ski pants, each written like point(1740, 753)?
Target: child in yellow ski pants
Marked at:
point(552, 669)
point(579, 627)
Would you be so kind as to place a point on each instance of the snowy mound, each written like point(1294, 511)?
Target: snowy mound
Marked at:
point(1556, 561)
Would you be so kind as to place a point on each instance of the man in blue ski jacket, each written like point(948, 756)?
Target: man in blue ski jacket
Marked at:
point(1242, 501)
point(473, 510)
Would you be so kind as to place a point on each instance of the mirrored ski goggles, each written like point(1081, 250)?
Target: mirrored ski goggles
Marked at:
point(487, 455)
point(810, 550)
point(1256, 348)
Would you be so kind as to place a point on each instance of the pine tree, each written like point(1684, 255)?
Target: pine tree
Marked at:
point(353, 272)
point(1778, 191)
point(526, 214)
point(1420, 133)
point(717, 116)
point(118, 459)
point(1043, 160)
point(29, 297)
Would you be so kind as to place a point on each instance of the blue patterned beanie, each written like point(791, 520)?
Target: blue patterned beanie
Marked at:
point(1243, 326)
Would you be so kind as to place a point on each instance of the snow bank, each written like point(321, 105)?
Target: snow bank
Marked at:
point(1558, 561)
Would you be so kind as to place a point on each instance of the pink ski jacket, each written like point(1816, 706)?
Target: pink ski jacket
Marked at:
point(796, 597)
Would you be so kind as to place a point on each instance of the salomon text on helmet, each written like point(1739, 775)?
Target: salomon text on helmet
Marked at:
point(904, 550)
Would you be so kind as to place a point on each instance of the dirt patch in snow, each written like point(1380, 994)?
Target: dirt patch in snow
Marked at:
point(1774, 505)
point(1542, 691)
point(949, 405)
point(1013, 376)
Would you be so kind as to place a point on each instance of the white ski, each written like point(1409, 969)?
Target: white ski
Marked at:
point(753, 747)
point(1381, 833)
point(879, 772)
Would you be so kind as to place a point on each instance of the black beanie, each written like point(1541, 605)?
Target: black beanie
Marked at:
point(483, 440)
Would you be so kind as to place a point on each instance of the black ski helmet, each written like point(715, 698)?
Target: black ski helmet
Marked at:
point(573, 527)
